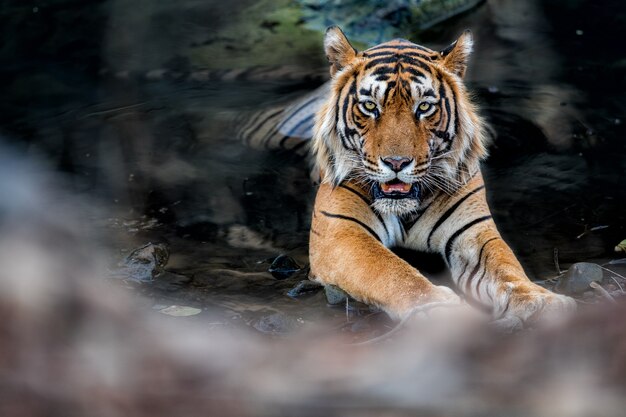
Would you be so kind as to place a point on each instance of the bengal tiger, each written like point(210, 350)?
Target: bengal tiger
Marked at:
point(397, 143)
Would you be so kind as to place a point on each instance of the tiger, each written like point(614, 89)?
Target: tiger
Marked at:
point(398, 143)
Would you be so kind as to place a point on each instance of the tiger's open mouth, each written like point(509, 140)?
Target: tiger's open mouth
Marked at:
point(395, 189)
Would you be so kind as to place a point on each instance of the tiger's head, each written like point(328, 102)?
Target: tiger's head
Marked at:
point(398, 120)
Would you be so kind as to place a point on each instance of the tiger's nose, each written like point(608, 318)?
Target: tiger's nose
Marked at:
point(397, 163)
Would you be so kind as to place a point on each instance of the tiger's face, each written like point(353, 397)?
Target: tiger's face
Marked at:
point(398, 120)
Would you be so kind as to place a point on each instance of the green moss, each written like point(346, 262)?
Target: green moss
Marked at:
point(267, 33)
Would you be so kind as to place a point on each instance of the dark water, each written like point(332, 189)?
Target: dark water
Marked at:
point(159, 161)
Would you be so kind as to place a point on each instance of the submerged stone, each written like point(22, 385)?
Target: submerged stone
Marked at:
point(335, 295)
point(283, 267)
point(276, 323)
point(578, 278)
point(144, 263)
point(303, 287)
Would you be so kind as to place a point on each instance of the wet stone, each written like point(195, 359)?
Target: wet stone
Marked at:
point(170, 281)
point(578, 277)
point(283, 267)
point(276, 323)
point(144, 263)
point(335, 295)
point(303, 287)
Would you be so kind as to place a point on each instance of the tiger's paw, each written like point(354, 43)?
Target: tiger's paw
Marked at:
point(437, 301)
point(529, 305)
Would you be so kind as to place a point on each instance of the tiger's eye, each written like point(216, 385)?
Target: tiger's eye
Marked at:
point(369, 105)
point(424, 106)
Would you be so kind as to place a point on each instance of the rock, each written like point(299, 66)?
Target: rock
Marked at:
point(180, 311)
point(276, 323)
point(375, 21)
point(144, 263)
point(303, 287)
point(578, 277)
point(283, 267)
point(335, 295)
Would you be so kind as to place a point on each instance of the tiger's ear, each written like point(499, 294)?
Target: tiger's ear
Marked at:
point(339, 51)
point(455, 56)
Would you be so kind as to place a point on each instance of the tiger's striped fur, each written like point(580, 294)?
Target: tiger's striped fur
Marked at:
point(283, 127)
point(373, 133)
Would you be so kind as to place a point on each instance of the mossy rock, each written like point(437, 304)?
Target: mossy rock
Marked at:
point(371, 22)
point(287, 32)
point(268, 33)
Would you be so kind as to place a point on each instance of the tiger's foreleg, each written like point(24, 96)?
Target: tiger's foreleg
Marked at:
point(483, 266)
point(347, 249)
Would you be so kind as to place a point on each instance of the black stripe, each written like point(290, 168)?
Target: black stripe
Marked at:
point(449, 212)
point(298, 109)
point(446, 103)
point(399, 47)
point(418, 63)
point(458, 233)
point(443, 98)
point(470, 278)
point(390, 86)
point(250, 123)
point(506, 307)
point(456, 111)
point(418, 55)
point(393, 52)
point(368, 202)
point(409, 222)
point(281, 144)
point(345, 135)
point(389, 60)
point(256, 125)
point(350, 132)
point(360, 223)
point(384, 71)
point(380, 54)
point(465, 265)
point(361, 196)
point(338, 104)
point(300, 123)
point(414, 71)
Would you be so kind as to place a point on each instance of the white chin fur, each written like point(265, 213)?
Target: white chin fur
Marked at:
point(395, 206)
